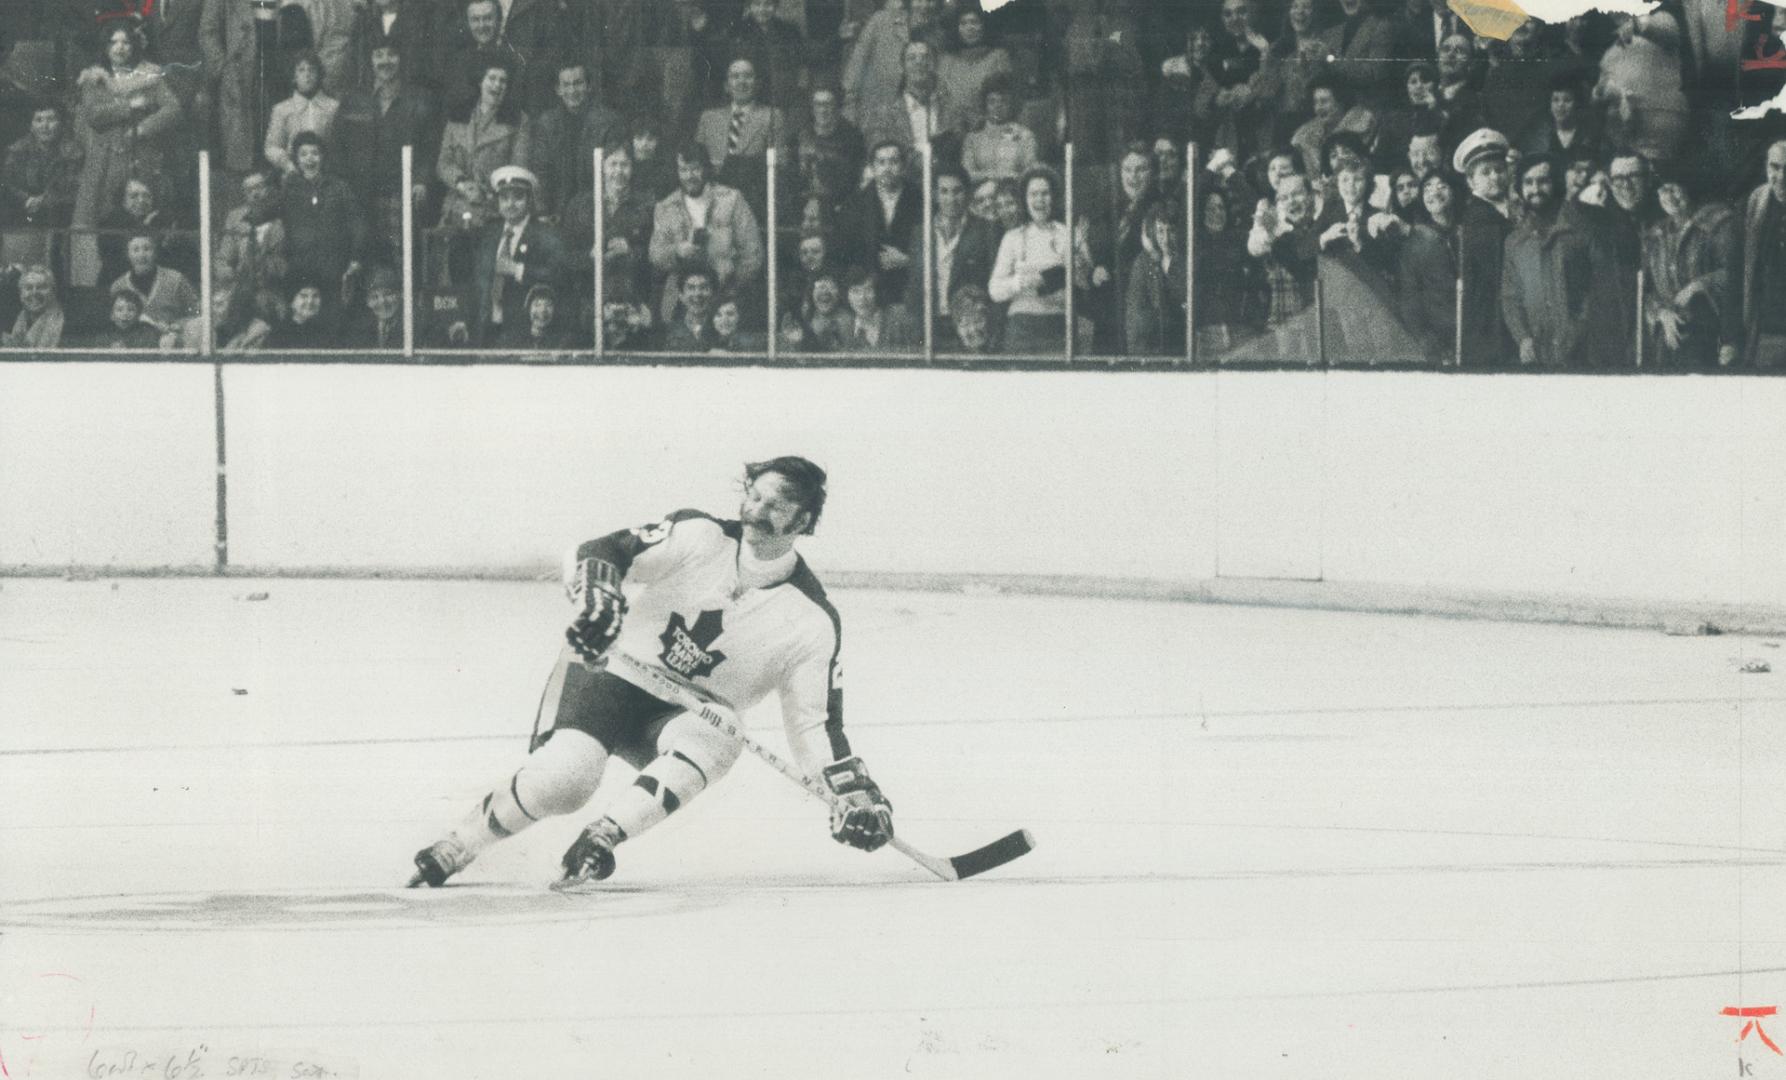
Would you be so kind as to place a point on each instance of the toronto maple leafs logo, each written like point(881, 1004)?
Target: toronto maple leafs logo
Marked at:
point(686, 647)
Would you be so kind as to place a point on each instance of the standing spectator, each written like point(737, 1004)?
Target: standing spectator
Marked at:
point(1424, 154)
point(654, 171)
point(876, 64)
point(1557, 295)
point(1516, 86)
point(511, 257)
point(379, 325)
point(704, 223)
point(236, 326)
point(1103, 86)
point(1460, 90)
point(740, 135)
point(1329, 104)
point(1366, 43)
point(251, 244)
point(877, 328)
point(308, 323)
point(127, 329)
point(308, 109)
point(40, 320)
point(325, 230)
point(139, 212)
point(125, 115)
point(1154, 300)
point(692, 56)
point(969, 61)
point(1416, 112)
point(774, 49)
point(1283, 239)
point(331, 36)
point(166, 296)
point(1690, 256)
point(228, 36)
point(626, 237)
point(477, 47)
point(561, 140)
point(1484, 224)
point(1294, 60)
point(1002, 149)
point(545, 35)
point(407, 26)
point(1030, 273)
point(1764, 265)
point(1640, 85)
point(1183, 104)
point(921, 111)
point(879, 223)
point(474, 145)
point(963, 249)
point(38, 184)
point(1115, 239)
point(830, 150)
point(373, 126)
point(1240, 114)
point(1428, 272)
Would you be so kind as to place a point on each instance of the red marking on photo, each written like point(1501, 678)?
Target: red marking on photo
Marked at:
point(1753, 1014)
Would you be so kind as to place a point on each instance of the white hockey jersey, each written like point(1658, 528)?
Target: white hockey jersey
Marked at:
point(692, 610)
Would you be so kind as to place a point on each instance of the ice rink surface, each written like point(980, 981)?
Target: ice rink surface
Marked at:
point(1271, 843)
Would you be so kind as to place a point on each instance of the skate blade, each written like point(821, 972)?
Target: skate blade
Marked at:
point(582, 885)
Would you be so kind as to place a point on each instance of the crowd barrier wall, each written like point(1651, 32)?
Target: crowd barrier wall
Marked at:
point(1385, 490)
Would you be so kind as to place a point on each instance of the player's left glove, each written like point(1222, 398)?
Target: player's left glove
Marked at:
point(865, 818)
point(600, 609)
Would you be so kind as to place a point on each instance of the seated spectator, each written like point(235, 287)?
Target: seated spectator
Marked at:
point(1168, 168)
point(654, 172)
point(775, 51)
point(1002, 149)
point(1283, 240)
point(921, 110)
point(1348, 227)
point(689, 324)
point(829, 150)
point(1640, 86)
point(325, 232)
point(1030, 273)
point(379, 325)
point(236, 326)
point(307, 324)
point(812, 255)
point(969, 59)
point(975, 319)
point(1566, 130)
point(1424, 154)
point(876, 327)
point(307, 110)
point(42, 170)
point(1366, 42)
point(826, 320)
point(251, 243)
point(728, 334)
point(984, 204)
point(1416, 112)
point(474, 145)
point(1333, 113)
point(561, 140)
point(626, 325)
point(373, 125)
point(1764, 265)
point(140, 212)
point(1404, 197)
point(165, 296)
point(704, 223)
point(542, 330)
point(1007, 203)
point(477, 47)
point(510, 257)
point(1294, 60)
point(878, 223)
point(740, 134)
point(876, 64)
point(1692, 258)
point(40, 320)
point(1154, 316)
point(127, 330)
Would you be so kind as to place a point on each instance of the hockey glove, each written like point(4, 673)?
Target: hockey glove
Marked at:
point(865, 817)
point(600, 609)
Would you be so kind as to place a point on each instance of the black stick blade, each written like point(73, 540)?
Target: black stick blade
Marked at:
point(993, 855)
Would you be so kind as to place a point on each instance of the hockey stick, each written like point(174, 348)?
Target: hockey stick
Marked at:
point(665, 686)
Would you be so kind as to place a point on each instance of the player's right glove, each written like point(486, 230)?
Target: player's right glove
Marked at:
point(600, 609)
point(865, 817)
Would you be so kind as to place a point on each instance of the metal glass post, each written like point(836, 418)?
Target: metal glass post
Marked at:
point(600, 253)
point(1320, 357)
point(408, 245)
point(928, 251)
point(1457, 344)
point(1190, 253)
point(773, 258)
point(1639, 338)
point(1072, 248)
point(207, 339)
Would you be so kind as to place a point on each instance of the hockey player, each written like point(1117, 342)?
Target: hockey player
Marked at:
point(727, 606)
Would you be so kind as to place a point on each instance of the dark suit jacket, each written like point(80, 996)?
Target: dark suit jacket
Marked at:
point(862, 229)
point(371, 142)
point(975, 253)
point(541, 253)
point(561, 149)
point(1481, 245)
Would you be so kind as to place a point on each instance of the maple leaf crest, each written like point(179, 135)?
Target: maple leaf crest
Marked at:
point(686, 649)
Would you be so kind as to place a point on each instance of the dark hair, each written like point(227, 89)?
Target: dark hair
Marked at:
point(131, 295)
point(303, 139)
point(698, 269)
point(883, 144)
point(308, 56)
point(998, 83)
point(133, 28)
point(695, 153)
point(948, 169)
point(1039, 172)
point(955, 43)
point(858, 274)
point(806, 479)
point(41, 104)
point(1425, 67)
point(1346, 139)
point(1532, 161)
point(1342, 94)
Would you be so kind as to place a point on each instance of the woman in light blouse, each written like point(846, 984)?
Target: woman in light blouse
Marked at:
point(308, 109)
point(1030, 272)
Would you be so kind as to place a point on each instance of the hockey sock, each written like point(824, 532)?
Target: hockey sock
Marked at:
point(557, 778)
point(669, 781)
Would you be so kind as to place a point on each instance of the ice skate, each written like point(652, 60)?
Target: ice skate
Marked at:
point(591, 858)
point(441, 860)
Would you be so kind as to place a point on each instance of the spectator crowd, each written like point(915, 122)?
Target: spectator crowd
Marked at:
point(1371, 180)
